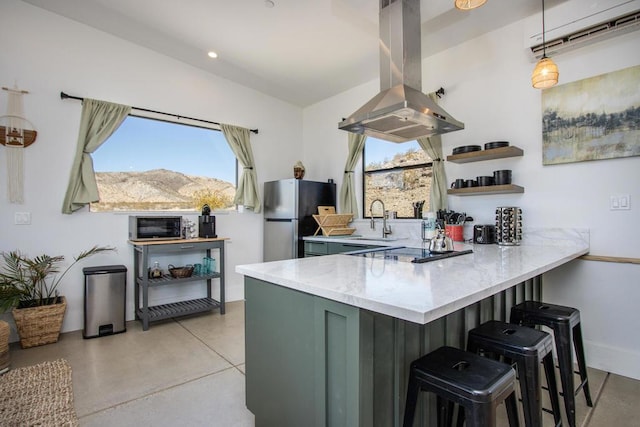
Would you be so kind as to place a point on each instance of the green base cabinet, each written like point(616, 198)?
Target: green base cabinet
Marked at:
point(315, 362)
point(302, 358)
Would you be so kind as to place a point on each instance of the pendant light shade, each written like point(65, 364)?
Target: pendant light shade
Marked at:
point(469, 4)
point(546, 72)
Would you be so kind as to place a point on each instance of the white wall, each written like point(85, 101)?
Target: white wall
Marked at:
point(45, 54)
point(487, 84)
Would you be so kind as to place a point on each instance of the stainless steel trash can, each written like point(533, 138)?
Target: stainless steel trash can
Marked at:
point(104, 300)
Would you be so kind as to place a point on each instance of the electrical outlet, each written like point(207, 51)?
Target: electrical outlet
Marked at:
point(22, 218)
point(620, 202)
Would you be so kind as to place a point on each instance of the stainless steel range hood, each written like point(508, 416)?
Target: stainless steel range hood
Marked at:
point(400, 112)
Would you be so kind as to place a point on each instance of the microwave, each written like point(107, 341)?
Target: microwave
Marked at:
point(155, 227)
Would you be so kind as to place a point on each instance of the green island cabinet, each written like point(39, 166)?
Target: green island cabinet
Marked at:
point(314, 362)
point(315, 248)
point(144, 251)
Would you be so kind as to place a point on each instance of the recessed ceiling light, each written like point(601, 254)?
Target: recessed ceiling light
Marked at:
point(212, 54)
point(269, 3)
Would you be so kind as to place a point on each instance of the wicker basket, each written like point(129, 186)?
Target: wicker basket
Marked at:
point(180, 272)
point(4, 336)
point(40, 325)
point(4, 346)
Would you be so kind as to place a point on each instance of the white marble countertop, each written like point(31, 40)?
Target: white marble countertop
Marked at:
point(423, 292)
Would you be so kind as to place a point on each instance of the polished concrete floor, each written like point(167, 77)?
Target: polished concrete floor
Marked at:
point(190, 372)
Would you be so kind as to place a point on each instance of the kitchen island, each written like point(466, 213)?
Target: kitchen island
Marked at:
point(329, 339)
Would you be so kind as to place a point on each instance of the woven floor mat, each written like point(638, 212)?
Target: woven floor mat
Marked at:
point(39, 395)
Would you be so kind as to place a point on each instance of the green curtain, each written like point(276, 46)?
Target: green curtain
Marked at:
point(348, 200)
point(98, 121)
point(247, 193)
point(433, 147)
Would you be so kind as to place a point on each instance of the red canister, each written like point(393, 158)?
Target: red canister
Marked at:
point(455, 232)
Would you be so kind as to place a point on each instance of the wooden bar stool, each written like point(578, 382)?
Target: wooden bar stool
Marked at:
point(526, 348)
point(565, 323)
point(476, 383)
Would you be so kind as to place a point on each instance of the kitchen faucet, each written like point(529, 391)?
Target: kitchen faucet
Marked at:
point(386, 229)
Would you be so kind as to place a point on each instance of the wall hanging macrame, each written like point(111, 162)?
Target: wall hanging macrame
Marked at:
point(16, 133)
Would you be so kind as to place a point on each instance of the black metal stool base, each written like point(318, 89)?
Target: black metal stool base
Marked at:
point(476, 383)
point(565, 323)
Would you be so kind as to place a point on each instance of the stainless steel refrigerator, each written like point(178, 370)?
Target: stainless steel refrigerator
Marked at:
point(288, 206)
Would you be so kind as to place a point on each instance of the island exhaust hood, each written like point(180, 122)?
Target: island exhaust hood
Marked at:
point(400, 112)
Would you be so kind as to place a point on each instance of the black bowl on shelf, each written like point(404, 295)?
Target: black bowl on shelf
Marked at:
point(502, 177)
point(466, 149)
point(484, 181)
point(496, 144)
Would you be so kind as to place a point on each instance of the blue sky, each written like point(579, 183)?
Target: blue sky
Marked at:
point(378, 150)
point(143, 144)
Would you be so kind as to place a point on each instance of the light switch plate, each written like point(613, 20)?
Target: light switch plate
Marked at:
point(22, 218)
point(620, 202)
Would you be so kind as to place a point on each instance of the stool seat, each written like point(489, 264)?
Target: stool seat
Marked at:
point(476, 383)
point(565, 323)
point(540, 313)
point(527, 348)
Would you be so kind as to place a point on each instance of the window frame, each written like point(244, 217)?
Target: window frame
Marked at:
point(178, 120)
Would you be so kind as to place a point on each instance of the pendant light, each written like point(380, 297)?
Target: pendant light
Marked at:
point(469, 4)
point(546, 72)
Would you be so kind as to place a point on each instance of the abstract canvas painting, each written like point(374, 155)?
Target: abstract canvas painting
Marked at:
point(592, 119)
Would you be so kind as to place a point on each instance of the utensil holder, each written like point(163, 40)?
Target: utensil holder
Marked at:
point(455, 232)
point(508, 225)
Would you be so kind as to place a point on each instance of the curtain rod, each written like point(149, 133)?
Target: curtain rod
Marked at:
point(65, 96)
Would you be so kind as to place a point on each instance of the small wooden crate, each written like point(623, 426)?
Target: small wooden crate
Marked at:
point(326, 210)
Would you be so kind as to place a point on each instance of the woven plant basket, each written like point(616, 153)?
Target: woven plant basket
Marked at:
point(4, 346)
point(40, 325)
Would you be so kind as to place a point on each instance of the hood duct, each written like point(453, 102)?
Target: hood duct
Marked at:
point(400, 112)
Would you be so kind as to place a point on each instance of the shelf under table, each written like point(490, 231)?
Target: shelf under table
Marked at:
point(180, 308)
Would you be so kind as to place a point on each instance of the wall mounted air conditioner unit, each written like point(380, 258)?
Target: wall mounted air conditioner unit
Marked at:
point(578, 23)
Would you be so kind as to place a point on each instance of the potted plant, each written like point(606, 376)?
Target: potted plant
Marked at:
point(30, 287)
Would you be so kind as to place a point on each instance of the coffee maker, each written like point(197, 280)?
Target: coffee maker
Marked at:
point(206, 224)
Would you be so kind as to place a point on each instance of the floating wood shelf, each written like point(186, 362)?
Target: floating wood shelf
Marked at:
point(489, 189)
point(494, 153)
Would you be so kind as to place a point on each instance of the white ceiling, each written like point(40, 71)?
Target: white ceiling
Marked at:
point(300, 51)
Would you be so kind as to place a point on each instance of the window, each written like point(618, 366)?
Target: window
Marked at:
point(155, 165)
point(398, 174)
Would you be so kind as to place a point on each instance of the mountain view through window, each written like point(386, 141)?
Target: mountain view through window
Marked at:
point(153, 165)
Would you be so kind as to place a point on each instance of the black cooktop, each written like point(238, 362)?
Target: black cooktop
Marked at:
point(405, 254)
